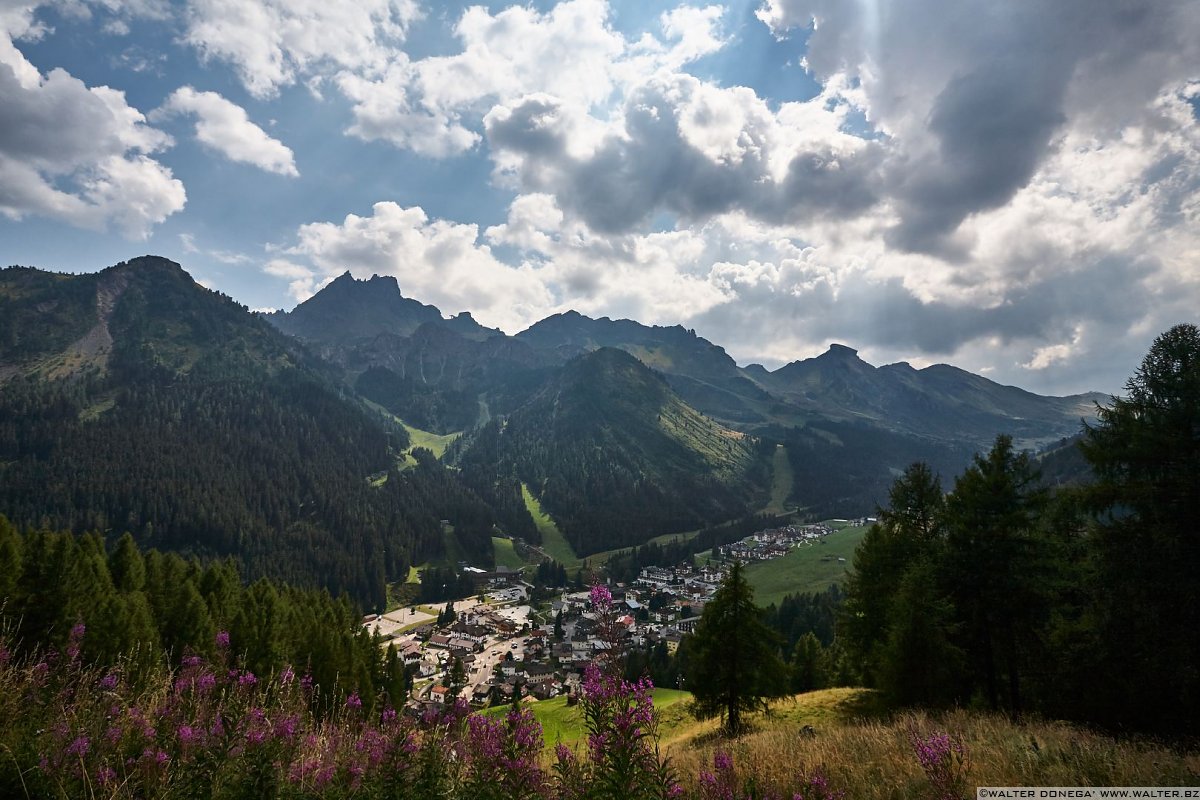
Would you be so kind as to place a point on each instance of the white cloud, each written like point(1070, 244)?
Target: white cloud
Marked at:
point(438, 261)
point(301, 280)
point(274, 43)
point(76, 153)
point(571, 53)
point(224, 127)
point(684, 146)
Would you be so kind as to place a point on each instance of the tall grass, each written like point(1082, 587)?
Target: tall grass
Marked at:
point(213, 729)
point(876, 759)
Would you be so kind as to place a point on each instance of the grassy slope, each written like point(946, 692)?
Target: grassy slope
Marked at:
point(802, 570)
point(553, 542)
point(434, 442)
point(782, 479)
point(867, 753)
point(726, 452)
point(431, 441)
point(506, 554)
point(869, 757)
point(564, 723)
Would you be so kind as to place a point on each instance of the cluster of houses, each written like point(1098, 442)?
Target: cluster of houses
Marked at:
point(774, 542)
point(503, 652)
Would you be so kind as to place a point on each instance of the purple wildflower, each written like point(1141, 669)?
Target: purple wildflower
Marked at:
point(223, 640)
point(601, 597)
point(74, 640)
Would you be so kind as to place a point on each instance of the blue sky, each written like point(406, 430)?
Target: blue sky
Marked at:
point(1012, 188)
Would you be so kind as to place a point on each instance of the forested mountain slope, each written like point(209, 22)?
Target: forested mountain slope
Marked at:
point(617, 457)
point(134, 399)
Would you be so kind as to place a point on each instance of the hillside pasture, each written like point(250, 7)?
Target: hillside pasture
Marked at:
point(808, 568)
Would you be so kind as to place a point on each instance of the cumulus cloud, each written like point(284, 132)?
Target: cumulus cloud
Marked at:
point(978, 97)
point(434, 105)
point(76, 153)
point(690, 148)
point(274, 43)
point(224, 127)
point(438, 261)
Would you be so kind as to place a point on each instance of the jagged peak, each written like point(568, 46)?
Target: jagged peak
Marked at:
point(841, 351)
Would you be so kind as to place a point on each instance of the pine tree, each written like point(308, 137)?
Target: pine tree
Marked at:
point(735, 663)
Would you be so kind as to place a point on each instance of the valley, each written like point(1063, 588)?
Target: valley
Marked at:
point(580, 437)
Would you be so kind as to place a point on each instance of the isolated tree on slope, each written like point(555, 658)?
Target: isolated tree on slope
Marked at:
point(735, 664)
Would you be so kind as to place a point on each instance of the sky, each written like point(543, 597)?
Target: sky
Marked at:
point(1010, 187)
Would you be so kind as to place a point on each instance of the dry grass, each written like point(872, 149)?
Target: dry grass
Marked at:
point(872, 759)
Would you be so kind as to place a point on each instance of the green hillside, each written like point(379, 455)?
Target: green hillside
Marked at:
point(615, 457)
point(506, 555)
point(170, 411)
point(811, 568)
point(553, 542)
point(782, 481)
point(563, 723)
point(434, 442)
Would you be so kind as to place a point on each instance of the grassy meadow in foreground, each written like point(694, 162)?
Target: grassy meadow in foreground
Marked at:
point(870, 754)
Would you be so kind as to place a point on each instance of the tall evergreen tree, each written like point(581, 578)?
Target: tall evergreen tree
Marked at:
point(1145, 453)
point(909, 529)
point(735, 663)
point(993, 568)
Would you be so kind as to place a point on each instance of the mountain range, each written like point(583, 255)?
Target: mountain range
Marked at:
point(364, 325)
point(135, 399)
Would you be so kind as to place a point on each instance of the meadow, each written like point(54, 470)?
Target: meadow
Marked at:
point(809, 568)
point(553, 541)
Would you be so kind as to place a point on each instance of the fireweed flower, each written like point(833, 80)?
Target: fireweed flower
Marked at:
point(354, 701)
point(943, 758)
point(601, 597)
point(106, 775)
point(74, 640)
point(223, 640)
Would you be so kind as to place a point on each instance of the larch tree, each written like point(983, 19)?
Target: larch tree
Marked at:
point(1145, 454)
point(735, 662)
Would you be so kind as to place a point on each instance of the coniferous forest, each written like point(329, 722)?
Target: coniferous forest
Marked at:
point(1078, 602)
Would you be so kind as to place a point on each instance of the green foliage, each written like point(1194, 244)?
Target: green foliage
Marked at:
point(57, 580)
point(614, 455)
point(1080, 603)
point(736, 666)
point(1145, 453)
point(993, 568)
point(808, 664)
point(909, 530)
